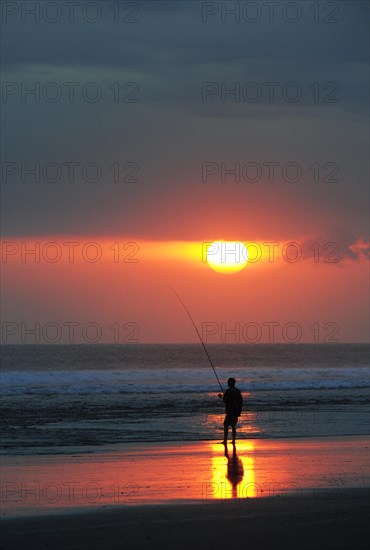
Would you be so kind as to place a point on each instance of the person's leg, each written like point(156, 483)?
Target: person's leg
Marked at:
point(226, 431)
point(234, 432)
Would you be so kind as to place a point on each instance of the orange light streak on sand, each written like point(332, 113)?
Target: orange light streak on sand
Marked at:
point(149, 473)
point(233, 474)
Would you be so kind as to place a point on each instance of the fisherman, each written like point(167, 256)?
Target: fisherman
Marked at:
point(233, 406)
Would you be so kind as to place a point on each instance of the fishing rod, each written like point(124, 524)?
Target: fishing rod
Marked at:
point(200, 338)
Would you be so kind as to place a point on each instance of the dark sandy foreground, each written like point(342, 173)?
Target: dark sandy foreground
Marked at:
point(337, 519)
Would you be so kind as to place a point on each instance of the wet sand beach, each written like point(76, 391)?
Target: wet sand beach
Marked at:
point(300, 492)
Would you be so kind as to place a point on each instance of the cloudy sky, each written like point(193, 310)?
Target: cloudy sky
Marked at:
point(166, 123)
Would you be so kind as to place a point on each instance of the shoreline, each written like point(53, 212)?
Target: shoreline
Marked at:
point(122, 446)
point(137, 474)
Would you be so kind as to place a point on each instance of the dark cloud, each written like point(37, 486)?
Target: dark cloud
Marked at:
point(170, 131)
point(173, 32)
point(334, 244)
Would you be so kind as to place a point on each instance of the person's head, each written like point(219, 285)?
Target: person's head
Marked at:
point(231, 382)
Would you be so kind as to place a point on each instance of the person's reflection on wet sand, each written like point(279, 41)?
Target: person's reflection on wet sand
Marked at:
point(235, 470)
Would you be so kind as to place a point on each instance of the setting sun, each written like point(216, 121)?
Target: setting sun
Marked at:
point(227, 256)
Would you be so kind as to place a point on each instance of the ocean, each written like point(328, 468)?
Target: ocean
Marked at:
point(57, 398)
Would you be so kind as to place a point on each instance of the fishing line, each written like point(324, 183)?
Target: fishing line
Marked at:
point(200, 338)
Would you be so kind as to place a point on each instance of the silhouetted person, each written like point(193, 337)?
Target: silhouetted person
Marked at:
point(235, 470)
point(233, 405)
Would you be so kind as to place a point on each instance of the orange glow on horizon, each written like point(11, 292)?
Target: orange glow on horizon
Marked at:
point(223, 256)
point(118, 279)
